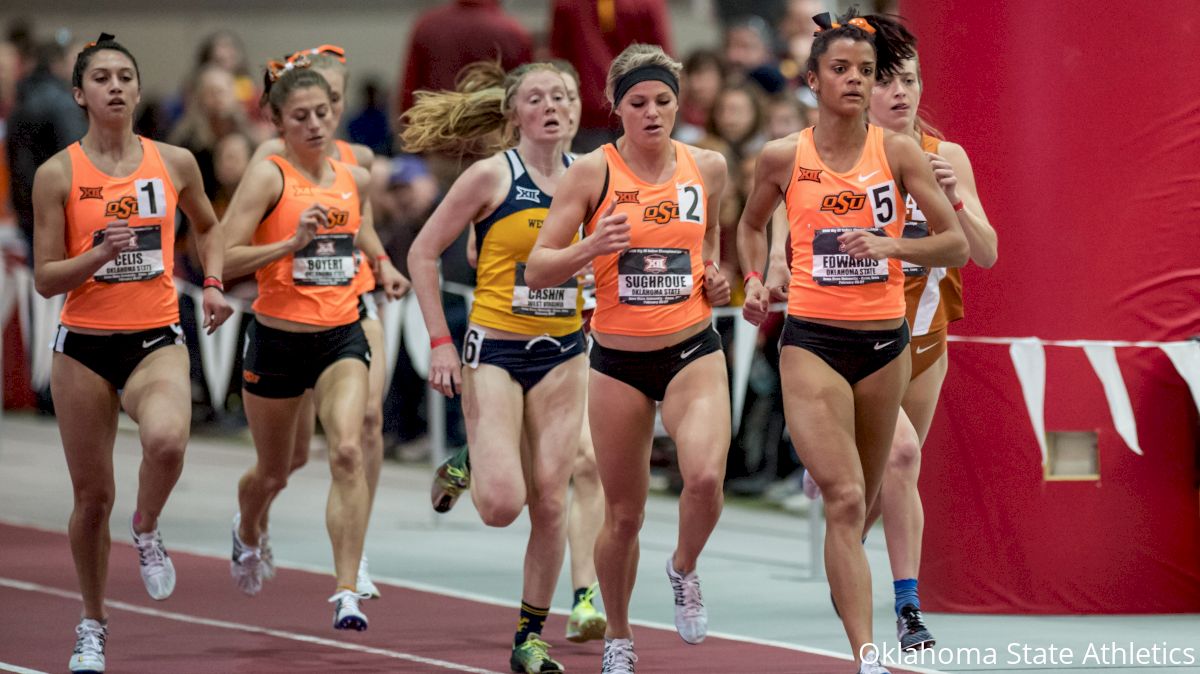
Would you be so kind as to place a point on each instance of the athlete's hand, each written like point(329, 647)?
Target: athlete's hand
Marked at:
point(944, 172)
point(313, 217)
point(445, 370)
point(586, 276)
point(394, 284)
point(758, 302)
point(716, 286)
point(118, 238)
point(216, 310)
point(612, 232)
point(861, 244)
point(779, 277)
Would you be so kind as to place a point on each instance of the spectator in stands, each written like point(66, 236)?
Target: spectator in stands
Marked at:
point(704, 73)
point(749, 44)
point(45, 120)
point(225, 50)
point(369, 126)
point(212, 113)
point(737, 119)
point(590, 35)
point(448, 37)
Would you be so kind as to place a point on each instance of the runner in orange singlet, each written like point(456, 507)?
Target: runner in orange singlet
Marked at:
point(844, 359)
point(330, 62)
point(294, 220)
point(104, 212)
point(649, 207)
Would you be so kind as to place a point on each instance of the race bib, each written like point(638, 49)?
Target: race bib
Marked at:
point(654, 276)
point(831, 267)
point(327, 260)
point(143, 262)
point(915, 229)
point(557, 302)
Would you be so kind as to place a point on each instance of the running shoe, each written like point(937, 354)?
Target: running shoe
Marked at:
point(88, 656)
point(811, 489)
point(453, 477)
point(246, 563)
point(911, 630)
point(619, 657)
point(158, 572)
point(872, 668)
point(532, 657)
point(346, 613)
point(586, 623)
point(691, 618)
point(266, 556)
point(364, 585)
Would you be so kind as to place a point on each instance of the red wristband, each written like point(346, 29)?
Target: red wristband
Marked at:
point(709, 263)
point(438, 341)
point(959, 206)
point(383, 257)
point(751, 275)
point(214, 282)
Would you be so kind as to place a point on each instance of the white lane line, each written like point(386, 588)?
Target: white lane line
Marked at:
point(5, 667)
point(240, 627)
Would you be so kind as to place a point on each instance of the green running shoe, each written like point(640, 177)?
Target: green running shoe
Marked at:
point(532, 657)
point(452, 478)
point(586, 623)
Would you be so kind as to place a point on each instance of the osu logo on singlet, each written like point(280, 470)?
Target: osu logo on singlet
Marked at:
point(121, 208)
point(661, 213)
point(338, 217)
point(843, 202)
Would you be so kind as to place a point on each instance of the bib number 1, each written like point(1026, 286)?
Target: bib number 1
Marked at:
point(152, 198)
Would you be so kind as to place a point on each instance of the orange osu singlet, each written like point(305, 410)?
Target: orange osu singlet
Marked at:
point(364, 278)
point(315, 284)
point(656, 286)
point(933, 296)
point(823, 204)
point(136, 290)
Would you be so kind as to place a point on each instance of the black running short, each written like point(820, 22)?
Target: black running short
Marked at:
point(652, 371)
point(282, 364)
point(115, 356)
point(527, 362)
point(854, 354)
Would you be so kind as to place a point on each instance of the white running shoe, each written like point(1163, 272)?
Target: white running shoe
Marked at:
point(246, 563)
point(346, 613)
point(364, 585)
point(158, 572)
point(266, 556)
point(872, 668)
point(691, 618)
point(811, 489)
point(88, 656)
point(619, 657)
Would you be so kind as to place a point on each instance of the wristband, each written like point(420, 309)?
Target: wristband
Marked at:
point(751, 275)
point(438, 341)
point(710, 263)
point(214, 282)
point(959, 206)
point(383, 258)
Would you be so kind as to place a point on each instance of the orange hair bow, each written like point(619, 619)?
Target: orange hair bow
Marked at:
point(331, 49)
point(858, 22)
point(276, 69)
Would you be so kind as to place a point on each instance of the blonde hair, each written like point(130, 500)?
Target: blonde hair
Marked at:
point(465, 121)
point(636, 56)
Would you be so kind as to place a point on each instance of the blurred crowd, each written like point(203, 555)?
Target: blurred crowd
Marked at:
point(737, 94)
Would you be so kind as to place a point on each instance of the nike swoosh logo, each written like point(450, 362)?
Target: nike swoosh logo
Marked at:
point(147, 345)
point(685, 354)
point(879, 346)
point(567, 348)
point(347, 195)
point(864, 178)
point(923, 349)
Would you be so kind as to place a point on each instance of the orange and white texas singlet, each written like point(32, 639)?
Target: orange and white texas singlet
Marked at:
point(315, 284)
point(933, 296)
point(136, 290)
point(364, 278)
point(823, 204)
point(656, 286)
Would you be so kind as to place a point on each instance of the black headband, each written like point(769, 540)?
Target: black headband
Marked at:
point(644, 74)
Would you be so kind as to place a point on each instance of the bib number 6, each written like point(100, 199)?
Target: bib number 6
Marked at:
point(472, 345)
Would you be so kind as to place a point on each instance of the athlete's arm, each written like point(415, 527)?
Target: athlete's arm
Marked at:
point(185, 175)
point(53, 272)
point(474, 194)
point(393, 282)
point(554, 259)
point(260, 190)
point(953, 172)
point(948, 246)
point(265, 149)
point(778, 276)
point(771, 173)
point(715, 173)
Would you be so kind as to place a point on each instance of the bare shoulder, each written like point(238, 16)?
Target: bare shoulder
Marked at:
point(899, 144)
point(778, 155)
point(485, 174)
point(362, 177)
point(263, 175)
point(362, 154)
point(953, 152)
point(175, 157)
point(591, 166)
point(266, 149)
point(55, 172)
point(712, 164)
